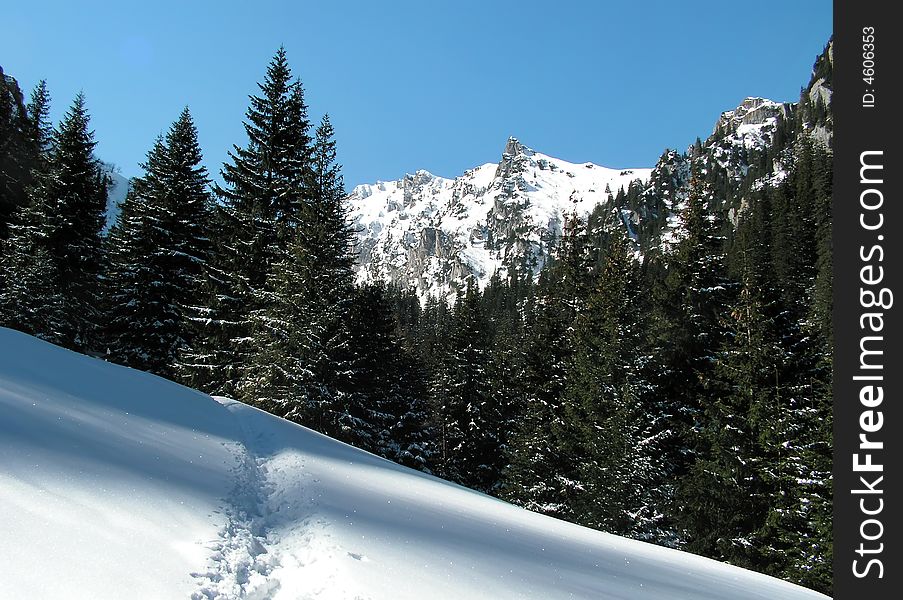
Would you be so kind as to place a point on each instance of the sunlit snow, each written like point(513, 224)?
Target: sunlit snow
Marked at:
point(118, 484)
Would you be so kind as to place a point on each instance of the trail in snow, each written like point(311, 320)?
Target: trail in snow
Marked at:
point(272, 545)
point(239, 564)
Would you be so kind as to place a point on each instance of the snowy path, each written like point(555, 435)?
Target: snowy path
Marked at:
point(239, 564)
point(272, 544)
point(309, 518)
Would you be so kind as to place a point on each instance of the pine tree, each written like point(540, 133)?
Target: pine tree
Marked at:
point(730, 486)
point(603, 419)
point(266, 190)
point(129, 280)
point(822, 294)
point(468, 417)
point(40, 130)
point(276, 372)
point(64, 219)
point(504, 303)
point(542, 477)
point(687, 329)
point(157, 250)
point(326, 221)
point(795, 540)
point(25, 145)
point(30, 299)
point(385, 411)
point(303, 360)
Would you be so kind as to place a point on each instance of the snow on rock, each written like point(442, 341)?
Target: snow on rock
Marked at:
point(750, 126)
point(435, 234)
point(117, 484)
point(119, 188)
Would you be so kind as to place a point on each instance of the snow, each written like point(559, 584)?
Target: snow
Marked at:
point(116, 194)
point(119, 484)
point(526, 188)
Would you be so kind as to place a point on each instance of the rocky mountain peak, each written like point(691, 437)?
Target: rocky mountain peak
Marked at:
point(515, 158)
point(751, 112)
point(435, 234)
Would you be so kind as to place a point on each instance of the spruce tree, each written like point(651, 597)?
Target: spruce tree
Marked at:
point(266, 189)
point(61, 228)
point(157, 250)
point(728, 490)
point(504, 304)
point(25, 144)
point(686, 332)
point(468, 416)
point(604, 423)
point(822, 294)
point(40, 130)
point(303, 359)
point(794, 542)
point(542, 476)
point(385, 410)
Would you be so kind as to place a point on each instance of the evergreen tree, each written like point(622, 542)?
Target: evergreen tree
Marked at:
point(303, 360)
point(25, 145)
point(687, 329)
point(157, 250)
point(604, 422)
point(30, 299)
point(468, 417)
point(385, 411)
point(729, 487)
point(265, 179)
point(541, 476)
point(40, 130)
point(822, 295)
point(61, 228)
point(504, 303)
point(794, 248)
point(326, 222)
point(266, 190)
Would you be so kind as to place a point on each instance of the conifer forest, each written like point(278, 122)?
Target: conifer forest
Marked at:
point(674, 389)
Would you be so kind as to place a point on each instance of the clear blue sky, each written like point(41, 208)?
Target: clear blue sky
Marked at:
point(432, 85)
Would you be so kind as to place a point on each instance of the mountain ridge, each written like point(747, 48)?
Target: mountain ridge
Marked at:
point(434, 233)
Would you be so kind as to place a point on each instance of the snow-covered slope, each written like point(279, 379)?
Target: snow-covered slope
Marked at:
point(119, 188)
point(118, 484)
point(435, 233)
point(740, 141)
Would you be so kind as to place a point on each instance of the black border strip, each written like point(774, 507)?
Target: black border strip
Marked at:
point(868, 223)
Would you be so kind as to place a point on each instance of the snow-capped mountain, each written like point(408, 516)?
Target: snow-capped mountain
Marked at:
point(751, 147)
point(751, 126)
point(738, 138)
point(116, 194)
point(435, 234)
point(119, 484)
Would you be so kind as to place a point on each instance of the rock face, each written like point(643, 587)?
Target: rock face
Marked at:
point(752, 111)
point(435, 234)
point(819, 95)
